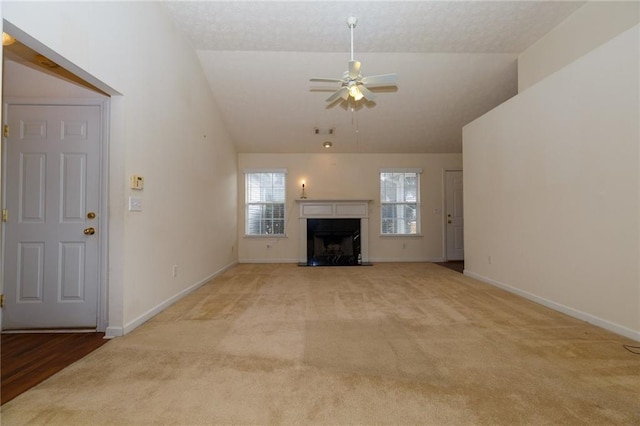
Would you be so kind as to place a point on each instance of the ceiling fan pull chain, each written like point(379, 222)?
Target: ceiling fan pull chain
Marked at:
point(354, 124)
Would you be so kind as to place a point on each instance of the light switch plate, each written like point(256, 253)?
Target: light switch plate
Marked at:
point(135, 204)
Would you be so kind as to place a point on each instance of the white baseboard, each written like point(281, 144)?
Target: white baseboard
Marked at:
point(591, 319)
point(406, 259)
point(112, 332)
point(262, 260)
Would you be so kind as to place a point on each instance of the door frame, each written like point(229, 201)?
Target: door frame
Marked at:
point(103, 199)
point(444, 210)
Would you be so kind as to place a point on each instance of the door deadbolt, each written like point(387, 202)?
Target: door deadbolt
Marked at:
point(91, 215)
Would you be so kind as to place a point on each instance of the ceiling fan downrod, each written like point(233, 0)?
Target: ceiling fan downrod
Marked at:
point(351, 22)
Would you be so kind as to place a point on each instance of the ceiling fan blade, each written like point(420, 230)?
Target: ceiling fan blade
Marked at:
point(354, 69)
point(325, 80)
point(340, 93)
point(322, 89)
point(380, 80)
point(368, 95)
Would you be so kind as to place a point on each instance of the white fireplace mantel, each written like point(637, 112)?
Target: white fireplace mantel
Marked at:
point(334, 209)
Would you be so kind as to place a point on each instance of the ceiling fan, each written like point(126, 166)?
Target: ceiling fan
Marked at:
point(352, 82)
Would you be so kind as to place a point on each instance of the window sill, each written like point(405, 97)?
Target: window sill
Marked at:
point(401, 235)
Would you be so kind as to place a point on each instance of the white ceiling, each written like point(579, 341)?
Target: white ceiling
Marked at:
point(455, 61)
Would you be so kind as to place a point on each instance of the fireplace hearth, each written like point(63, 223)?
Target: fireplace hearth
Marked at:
point(333, 242)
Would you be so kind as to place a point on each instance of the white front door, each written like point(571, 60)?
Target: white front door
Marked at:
point(52, 196)
point(454, 215)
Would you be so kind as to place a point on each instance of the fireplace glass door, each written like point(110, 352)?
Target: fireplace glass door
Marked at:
point(333, 242)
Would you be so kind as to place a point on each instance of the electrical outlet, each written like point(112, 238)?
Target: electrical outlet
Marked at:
point(489, 260)
point(174, 271)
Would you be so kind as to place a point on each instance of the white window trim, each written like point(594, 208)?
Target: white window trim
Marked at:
point(246, 204)
point(417, 171)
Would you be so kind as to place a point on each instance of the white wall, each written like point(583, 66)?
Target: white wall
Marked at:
point(552, 189)
point(589, 27)
point(350, 176)
point(166, 127)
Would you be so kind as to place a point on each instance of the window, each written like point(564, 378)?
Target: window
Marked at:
point(265, 197)
point(400, 201)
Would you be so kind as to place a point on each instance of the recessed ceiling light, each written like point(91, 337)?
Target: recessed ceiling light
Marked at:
point(327, 144)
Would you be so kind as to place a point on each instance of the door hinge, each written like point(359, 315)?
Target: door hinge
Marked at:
point(1, 300)
point(6, 130)
point(5, 215)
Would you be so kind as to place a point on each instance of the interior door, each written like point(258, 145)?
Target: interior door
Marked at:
point(454, 215)
point(52, 181)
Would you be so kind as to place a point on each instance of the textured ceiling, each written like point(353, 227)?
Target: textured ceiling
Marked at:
point(455, 61)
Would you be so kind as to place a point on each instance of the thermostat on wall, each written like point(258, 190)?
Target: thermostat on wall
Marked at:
point(137, 182)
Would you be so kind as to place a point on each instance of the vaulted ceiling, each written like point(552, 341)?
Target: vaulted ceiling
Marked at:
point(455, 61)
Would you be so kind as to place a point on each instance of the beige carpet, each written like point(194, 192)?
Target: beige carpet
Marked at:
point(392, 343)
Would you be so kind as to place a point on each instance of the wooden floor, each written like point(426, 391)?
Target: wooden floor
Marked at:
point(28, 359)
point(454, 265)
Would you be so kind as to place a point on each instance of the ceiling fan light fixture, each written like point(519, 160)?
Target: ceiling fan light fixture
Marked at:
point(355, 93)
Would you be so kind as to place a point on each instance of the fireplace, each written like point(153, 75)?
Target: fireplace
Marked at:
point(333, 242)
point(334, 232)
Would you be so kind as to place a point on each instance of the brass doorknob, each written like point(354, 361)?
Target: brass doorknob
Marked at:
point(448, 221)
point(89, 231)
